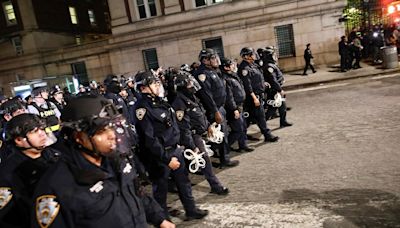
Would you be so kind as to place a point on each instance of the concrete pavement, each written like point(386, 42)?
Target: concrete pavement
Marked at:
point(331, 73)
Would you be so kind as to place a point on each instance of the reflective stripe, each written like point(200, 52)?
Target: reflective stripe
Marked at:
point(52, 128)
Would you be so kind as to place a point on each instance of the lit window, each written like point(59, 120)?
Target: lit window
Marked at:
point(9, 13)
point(200, 3)
point(92, 18)
point(284, 37)
point(146, 8)
point(74, 17)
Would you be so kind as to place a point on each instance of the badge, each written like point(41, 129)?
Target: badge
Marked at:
point(179, 115)
point(127, 168)
point(46, 210)
point(5, 196)
point(270, 69)
point(140, 112)
point(245, 72)
point(97, 187)
point(202, 77)
point(261, 63)
point(163, 115)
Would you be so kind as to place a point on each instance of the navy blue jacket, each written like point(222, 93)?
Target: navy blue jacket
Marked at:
point(252, 78)
point(90, 196)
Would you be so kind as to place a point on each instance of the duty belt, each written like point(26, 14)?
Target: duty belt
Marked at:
point(52, 128)
point(170, 149)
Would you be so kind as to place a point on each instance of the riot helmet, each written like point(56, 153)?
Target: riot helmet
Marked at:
point(24, 124)
point(39, 91)
point(107, 130)
point(186, 81)
point(11, 108)
point(209, 54)
point(146, 78)
point(185, 67)
point(248, 53)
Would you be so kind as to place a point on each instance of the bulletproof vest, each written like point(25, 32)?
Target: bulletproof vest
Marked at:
point(49, 115)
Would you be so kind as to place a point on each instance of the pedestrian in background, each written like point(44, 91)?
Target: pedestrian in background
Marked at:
point(344, 54)
point(307, 57)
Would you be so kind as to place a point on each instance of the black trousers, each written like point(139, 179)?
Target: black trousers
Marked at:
point(308, 64)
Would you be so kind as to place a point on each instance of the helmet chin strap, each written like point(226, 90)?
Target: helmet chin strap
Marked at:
point(31, 146)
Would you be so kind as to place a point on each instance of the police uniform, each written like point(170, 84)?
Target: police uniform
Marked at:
point(49, 112)
point(88, 187)
point(274, 77)
point(119, 102)
point(253, 82)
point(238, 126)
point(159, 137)
point(77, 193)
point(193, 125)
point(215, 86)
point(19, 177)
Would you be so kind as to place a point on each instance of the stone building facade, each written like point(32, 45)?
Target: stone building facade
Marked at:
point(151, 33)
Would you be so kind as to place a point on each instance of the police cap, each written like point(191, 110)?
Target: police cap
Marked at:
point(20, 125)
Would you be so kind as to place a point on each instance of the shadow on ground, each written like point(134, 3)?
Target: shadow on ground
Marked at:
point(360, 207)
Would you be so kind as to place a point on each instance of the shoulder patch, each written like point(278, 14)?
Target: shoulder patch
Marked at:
point(5, 196)
point(245, 72)
point(202, 77)
point(180, 114)
point(270, 69)
point(140, 112)
point(46, 210)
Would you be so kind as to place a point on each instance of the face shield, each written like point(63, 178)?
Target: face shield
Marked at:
point(194, 82)
point(215, 61)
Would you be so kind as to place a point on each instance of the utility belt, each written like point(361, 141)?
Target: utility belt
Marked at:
point(203, 134)
point(170, 149)
point(52, 128)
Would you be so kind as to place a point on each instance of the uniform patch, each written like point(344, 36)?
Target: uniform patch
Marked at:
point(261, 63)
point(5, 196)
point(202, 77)
point(179, 115)
point(46, 210)
point(140, 112)
point(127, 168)
point(270, 69)
point(245, 72)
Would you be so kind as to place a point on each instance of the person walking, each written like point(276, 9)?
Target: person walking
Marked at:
point(307, 57)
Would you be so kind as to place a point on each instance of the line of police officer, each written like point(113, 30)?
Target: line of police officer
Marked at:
point(94, 181)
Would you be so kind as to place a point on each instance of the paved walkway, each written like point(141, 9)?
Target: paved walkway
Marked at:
point(326, 73)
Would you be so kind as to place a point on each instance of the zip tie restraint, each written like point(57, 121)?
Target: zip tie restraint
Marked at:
point(197, 161)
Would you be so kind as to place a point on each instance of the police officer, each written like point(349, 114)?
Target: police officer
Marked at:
point(57, 97)
point(273, 75)
point(95, 184)
point(22, 170)
point(193, 125)
point(159, 137)
point(214, 85)
point(235, 114)
point(113, 90)
point(45, 108)
point(8, 110)
point(254, 85)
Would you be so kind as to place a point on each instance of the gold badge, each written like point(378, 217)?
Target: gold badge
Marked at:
point(46, 210)
point(245, 72)
point(5, 196)
point(140, 112)
point(179, 115)
point(202, 77)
